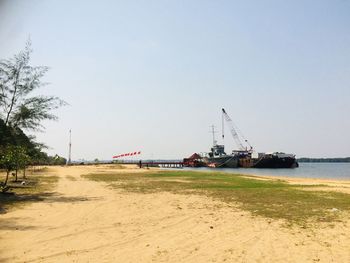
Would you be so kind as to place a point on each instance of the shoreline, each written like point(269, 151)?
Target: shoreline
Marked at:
point(327, 172)
point(334, 184)
point(287, 178)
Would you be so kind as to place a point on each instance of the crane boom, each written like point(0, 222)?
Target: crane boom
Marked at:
point(232, 130)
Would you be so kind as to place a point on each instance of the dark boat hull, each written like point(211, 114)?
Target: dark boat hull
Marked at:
point(275, 162)
point(222, 162)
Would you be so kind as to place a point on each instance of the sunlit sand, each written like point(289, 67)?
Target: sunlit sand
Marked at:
point(87, 221)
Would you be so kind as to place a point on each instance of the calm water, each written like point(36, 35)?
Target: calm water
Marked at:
point(307, 170)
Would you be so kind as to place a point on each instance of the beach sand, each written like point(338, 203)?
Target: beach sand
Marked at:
point(86, 221)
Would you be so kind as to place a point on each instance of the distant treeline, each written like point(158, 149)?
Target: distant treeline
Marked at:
point(324, 160)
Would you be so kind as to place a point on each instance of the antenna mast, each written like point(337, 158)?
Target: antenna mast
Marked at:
point(70, 148)
point(213, 132)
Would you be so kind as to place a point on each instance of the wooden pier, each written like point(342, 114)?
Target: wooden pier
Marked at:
point(162, 164)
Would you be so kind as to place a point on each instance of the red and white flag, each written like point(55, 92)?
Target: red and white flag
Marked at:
point(126, 154)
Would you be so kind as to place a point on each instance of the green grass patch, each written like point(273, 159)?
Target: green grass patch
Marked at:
point(71, 178)
point(269, 198)
point(36, 187)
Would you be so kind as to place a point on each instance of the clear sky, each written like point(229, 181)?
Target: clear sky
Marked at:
point(154, 75)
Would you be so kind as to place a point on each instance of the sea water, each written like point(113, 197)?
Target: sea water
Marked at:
point(305, 170)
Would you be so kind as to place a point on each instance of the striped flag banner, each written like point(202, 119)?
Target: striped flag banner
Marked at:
point(126, 154)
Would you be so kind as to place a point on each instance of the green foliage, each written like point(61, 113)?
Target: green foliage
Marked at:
point(57, 160)
point(13, 158)
point(14, 136)
point(21, 157)
point(8, 158)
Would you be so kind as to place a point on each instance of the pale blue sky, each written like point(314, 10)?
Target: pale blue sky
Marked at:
point(154, 75)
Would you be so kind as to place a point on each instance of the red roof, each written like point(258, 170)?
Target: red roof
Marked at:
point(195, 156)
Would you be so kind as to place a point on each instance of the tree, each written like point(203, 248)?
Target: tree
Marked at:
point(13, 158)
point(8, 161)
point(57, 160)
point(21, 160)
point(10, 136)
point(24, 163)
point(20, 110)
point(18, 79)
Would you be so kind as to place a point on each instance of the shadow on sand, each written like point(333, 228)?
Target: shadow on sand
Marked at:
point(11, 199)
point(13, 224)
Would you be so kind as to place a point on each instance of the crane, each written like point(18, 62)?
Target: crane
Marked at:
point(233, 131)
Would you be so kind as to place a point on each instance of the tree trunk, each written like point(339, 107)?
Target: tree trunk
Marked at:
point(7, 177)
point(24, 172)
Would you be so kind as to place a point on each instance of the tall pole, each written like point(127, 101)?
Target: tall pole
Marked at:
point(70, 148)
point(213, 132)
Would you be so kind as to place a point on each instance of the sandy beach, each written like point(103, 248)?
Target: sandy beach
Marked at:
point(87, 221)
